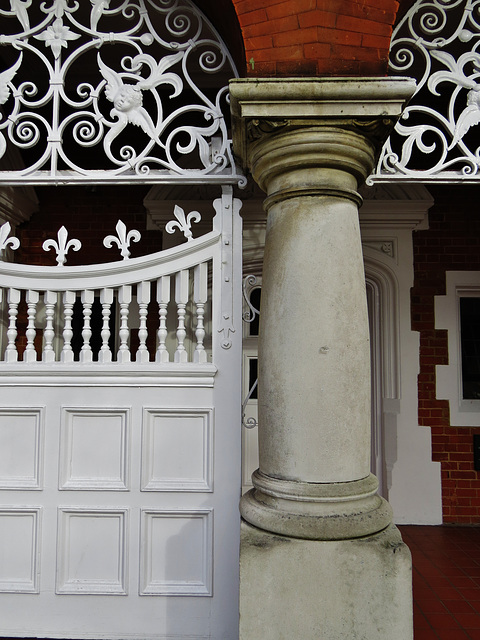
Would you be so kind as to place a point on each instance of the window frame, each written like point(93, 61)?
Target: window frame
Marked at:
point(449, 384)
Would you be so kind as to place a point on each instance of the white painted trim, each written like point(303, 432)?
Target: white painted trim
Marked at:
point(463, 413)
point(41, 374)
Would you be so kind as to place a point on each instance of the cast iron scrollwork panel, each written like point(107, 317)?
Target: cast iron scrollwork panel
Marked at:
point(437, 42)
point(108, 90)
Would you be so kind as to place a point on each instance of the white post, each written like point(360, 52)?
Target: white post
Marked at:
point(315, 530)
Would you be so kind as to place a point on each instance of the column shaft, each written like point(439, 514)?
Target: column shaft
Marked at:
point(314, 381)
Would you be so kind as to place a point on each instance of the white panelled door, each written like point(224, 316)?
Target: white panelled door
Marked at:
point(109, 522)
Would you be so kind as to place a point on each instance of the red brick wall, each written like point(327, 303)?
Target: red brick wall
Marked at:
point(316, 37)
point(451, 244)
point(88, 214)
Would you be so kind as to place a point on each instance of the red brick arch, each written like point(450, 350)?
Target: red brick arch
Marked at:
point(315, 37)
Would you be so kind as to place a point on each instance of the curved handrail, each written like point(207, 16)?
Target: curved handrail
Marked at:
point(110, 274)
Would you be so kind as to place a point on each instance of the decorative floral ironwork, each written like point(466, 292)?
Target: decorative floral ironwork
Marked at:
point(184, 224)
point(437, 42)
point(62, 246)
point(251, 312)
point(249, 315)
point(123, 239)
point(5, 240)
point(104, 91)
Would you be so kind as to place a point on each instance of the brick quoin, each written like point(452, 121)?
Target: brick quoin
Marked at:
point(315, 37)
point(452, 243)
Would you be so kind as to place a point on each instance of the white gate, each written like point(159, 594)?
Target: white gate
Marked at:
point(120, 468)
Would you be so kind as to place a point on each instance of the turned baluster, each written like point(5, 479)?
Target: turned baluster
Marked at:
point(69, 298)
point(200, 293)
point(106, 300)
point(50, 300)
point(86, 354)
point(32, 298)
point(181, 298)
point(13, 299)
point(143, 299)
point(163, 298)
point(124, 300)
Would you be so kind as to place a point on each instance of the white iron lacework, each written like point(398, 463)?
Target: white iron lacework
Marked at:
point(437, 42)
point(99, 91)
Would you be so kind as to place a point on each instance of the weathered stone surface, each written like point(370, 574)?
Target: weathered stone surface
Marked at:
point(322, 559)
point(293, 589)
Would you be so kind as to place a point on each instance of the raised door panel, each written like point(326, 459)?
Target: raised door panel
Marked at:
point(113, 496)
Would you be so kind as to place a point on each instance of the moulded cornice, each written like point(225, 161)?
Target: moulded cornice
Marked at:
point(395, 207)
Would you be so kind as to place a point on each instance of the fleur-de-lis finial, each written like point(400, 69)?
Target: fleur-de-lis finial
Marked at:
point(123, 240)
point(62, 246)
point(5, 240)
point(184, 224)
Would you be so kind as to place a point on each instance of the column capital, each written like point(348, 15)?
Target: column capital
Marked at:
point(364, 109)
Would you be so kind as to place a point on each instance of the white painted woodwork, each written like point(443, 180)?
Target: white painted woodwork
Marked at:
point(200, 297)
point(13, 299)
point(20, 529)
point(143, 298)
point(177, 452)
point(463, 412)
point(32, 298)
point(181, 298)
point(87, 298)
point(119, 478)
point(163, 298)
point(50, 300)
point(106, 300)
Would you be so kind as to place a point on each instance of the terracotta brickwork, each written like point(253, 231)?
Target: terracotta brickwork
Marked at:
point(451, 244)
point(316, 37)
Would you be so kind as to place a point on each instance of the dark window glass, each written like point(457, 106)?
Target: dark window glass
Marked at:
point(470, 338)
point(252, 377)
point(255, 302)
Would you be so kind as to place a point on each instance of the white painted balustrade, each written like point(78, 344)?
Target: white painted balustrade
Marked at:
point(167, 315)
point(90, 314)
point(153, 309)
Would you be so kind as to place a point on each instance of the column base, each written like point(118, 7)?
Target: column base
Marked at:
point(323, 511)
point(330, 590)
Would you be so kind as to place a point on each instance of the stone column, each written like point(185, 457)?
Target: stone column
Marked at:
point(320, 557)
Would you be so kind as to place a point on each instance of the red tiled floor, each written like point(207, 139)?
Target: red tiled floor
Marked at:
point(446, 581)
